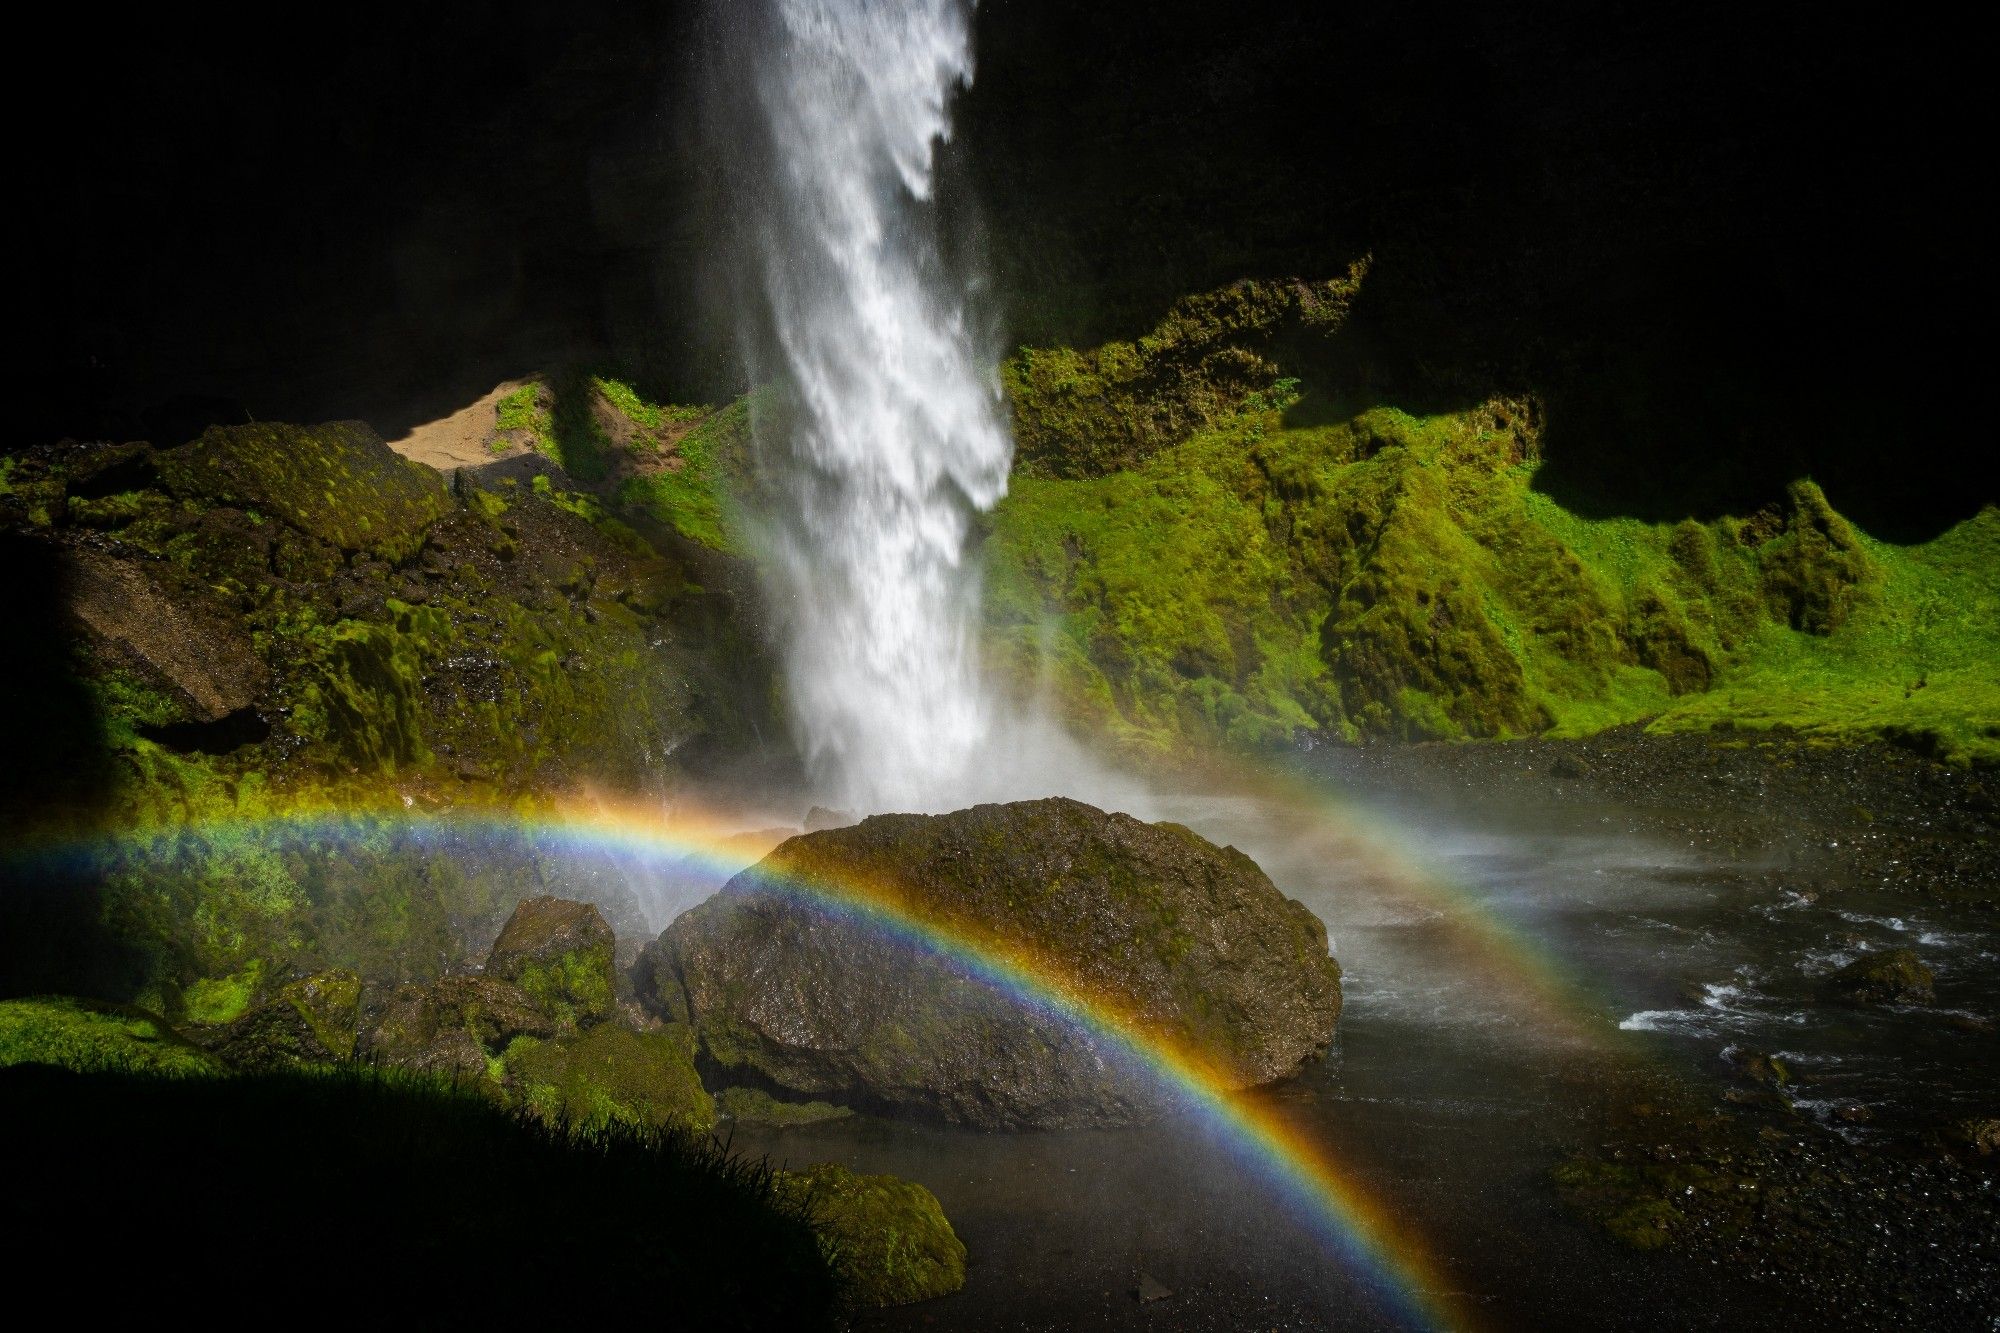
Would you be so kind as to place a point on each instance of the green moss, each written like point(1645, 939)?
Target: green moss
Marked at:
point(689, 492)
point(83, 1036)
point(887, 1240)
point(1400, 577)
point(573, 988)
point(611, 1075)
point(222, 999)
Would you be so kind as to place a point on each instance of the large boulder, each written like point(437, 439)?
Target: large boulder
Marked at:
point(1192, 940)
point(887, 1240)
point(560, 952)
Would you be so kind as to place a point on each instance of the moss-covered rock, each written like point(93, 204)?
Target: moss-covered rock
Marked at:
point(338, 482)
point(310, 1021)
point(87, 1036)
point(1888, 976)
point(1191, 940)
point(888, 1241)
point(457, 1027)
point(560, 953)
point(611, 1075)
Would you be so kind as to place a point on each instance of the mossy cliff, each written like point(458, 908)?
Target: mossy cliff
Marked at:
point(1184, 574)
point(277, 624)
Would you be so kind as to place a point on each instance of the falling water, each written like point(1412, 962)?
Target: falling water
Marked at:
point(878, 424)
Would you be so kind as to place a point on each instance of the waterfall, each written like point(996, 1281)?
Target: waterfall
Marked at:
point(877, 420)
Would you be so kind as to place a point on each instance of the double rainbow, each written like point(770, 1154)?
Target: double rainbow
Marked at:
point(1377, 1250)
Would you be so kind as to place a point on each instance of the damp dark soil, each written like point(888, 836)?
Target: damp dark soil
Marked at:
point(1592, 1058)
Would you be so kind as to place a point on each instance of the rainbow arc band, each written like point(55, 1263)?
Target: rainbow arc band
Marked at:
point(1380, 1253)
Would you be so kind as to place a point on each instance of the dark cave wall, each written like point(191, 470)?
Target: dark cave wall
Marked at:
point(1726, 249)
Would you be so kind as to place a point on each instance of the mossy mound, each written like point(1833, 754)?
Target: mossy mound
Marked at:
point(560, 953)
point(1189, 939)
point(337, 482)
point(611, 1075)
point(86, 1037)
point(444, 1210)
point(1394, 576)
point(887, 1240)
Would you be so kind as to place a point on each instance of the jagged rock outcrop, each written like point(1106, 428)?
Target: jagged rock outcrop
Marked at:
point(1193, 939)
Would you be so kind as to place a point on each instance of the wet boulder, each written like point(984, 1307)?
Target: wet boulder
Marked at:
point(455, 1027)
point(612, 1075)
point(561, 953)
point(309, 1021)
point(1191, 942)
point(1890, 976)
point(887, 1240)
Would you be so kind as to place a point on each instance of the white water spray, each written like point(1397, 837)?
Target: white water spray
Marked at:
point(879, 426)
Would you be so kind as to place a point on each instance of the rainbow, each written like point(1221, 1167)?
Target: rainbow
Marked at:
point(1382, 1254)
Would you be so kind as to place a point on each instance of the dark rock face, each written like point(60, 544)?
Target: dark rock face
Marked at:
point(169, 632)
point(1192, 938)
point(1893, 976)
point(560, 953)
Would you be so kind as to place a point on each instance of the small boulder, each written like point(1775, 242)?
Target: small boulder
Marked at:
point(887, 1240)
point(561, 953)
point(454, 1027)
point(1890, 976)
point(309, 1021)
point(789, 993)
point(611, 1075)
point(1758, 1067)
